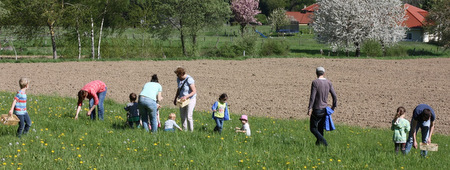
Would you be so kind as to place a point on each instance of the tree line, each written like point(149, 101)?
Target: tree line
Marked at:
point(340, 23)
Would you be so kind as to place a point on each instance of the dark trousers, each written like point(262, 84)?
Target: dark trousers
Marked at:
point(399, 146)
point(24, 124)
point(317, 124)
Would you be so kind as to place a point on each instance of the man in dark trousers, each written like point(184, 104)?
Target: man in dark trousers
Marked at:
point(320, 88)
point(423, 118)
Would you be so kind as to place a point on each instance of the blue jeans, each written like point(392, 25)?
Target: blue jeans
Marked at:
point(148, 107)
point(169, 130)
point(317, 124)
point(101, 110)
point(219, 124)
point(425, 126)
point(24, 124)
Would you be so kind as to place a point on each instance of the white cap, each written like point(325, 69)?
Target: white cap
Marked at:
point(320, 69)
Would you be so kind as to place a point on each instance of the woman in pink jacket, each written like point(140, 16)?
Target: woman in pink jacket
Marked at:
point(95, 91)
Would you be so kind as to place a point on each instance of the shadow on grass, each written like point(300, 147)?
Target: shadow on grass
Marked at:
point(422, 52)
point(120, 126)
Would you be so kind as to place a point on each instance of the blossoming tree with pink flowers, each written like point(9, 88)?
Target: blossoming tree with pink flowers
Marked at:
point(244, 12)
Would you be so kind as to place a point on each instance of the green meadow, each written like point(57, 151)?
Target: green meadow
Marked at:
point(57, 141)
point(225, 42)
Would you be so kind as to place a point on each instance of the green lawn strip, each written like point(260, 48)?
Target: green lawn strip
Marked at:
point(57, 140)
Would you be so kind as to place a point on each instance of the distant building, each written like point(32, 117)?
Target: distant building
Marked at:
point(304, 17)
point(415, 21)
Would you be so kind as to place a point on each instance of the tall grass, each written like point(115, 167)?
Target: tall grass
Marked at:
point(57, 141)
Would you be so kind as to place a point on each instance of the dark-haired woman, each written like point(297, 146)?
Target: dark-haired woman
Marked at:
point(95, 91)
point(148, 99)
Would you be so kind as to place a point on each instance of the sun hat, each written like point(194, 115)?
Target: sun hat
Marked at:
point(320, 69)
point(243, 117)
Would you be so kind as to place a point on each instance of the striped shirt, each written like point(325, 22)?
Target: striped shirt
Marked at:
point(93, 88)
point(21, 103)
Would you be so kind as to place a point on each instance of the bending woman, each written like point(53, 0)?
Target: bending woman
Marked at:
point(148, 99)
point(95, 91)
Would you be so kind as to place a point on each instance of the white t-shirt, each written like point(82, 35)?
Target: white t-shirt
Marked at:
point(246, 127)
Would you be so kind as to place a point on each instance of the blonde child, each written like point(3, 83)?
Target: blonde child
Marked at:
point(170, 123)
point(220, 112)
point(132, 111)
point(19, 107)
point(401, 127)
point(245, 126)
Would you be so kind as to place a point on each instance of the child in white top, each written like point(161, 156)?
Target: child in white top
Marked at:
point(170, 123)
point(245, 126)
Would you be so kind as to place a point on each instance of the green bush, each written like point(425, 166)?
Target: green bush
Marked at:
point(396, 50)
point(261, 18)
point(372, 48)
point(274, 47)
point(236, 49)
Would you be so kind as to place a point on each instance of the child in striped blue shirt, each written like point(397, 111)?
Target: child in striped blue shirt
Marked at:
point(19, 107)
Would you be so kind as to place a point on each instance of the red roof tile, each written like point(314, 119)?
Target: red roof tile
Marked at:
point(302, 18)
point(416, 16)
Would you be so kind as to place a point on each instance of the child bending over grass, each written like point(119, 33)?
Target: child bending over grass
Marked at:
point(170, 123)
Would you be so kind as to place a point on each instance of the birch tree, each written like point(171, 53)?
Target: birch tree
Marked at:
point(75, 17)
point(346, 24)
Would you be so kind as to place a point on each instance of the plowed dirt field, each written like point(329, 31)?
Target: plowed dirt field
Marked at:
point(369, 91)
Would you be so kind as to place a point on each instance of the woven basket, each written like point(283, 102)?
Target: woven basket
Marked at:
point(429, 146)
point(6, 120)
point(182, 103)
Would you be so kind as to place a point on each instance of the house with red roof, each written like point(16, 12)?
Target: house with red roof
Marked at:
point(304, 17)
point(415, 21)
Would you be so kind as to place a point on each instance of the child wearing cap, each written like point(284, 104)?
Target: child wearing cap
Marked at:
point(245, 126)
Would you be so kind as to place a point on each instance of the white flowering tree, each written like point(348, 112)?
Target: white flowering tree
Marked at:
point(387, 20)
point(346, 24)
point(278, 18)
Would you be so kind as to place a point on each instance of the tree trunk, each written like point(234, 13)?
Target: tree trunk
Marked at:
point(79, 40)
point(183, 45)
point(358, 50)
point(194, 42)
point(243, 29)
point(100, 38)
point(383, 47)
point(101, 30)
point(92, 38)
point(52, 34)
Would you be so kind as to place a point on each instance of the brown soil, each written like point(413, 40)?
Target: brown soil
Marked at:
point(369, 91)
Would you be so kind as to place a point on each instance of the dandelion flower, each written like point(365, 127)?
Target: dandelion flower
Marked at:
point(79, 155)
point(81, 162)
